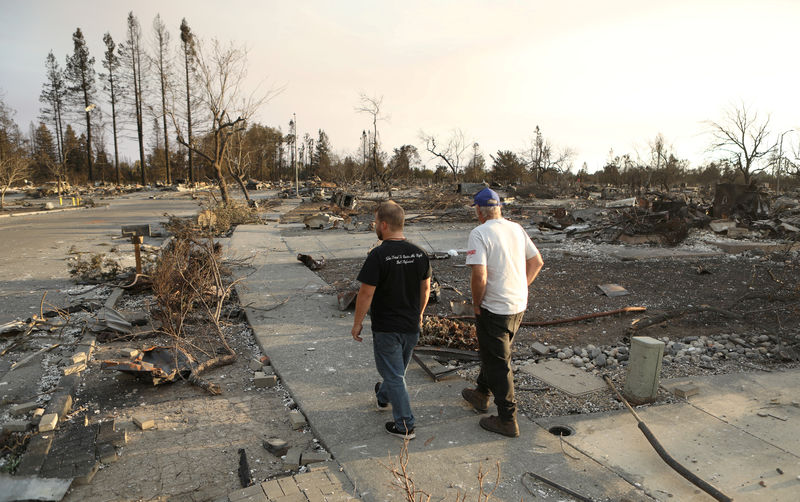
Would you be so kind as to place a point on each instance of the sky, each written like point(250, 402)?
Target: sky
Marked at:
point(594, 76)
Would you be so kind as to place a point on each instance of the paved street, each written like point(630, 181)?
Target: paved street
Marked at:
point(33, 249)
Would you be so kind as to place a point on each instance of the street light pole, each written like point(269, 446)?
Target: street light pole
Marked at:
point(780, 162)
point(294, 157)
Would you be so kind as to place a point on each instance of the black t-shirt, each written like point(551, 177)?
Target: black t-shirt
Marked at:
point(396, 269)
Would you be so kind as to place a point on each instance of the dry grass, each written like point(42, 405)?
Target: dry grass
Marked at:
point(403, 480)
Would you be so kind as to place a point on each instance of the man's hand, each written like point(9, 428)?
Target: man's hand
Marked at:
point(356, 332)
point(363, 301)
point(477, 283)
point(532, 267)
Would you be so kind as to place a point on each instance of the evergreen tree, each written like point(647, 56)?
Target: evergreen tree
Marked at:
point(404, 161)
point(265, 143)
point(53, 96)
point(80, 75)
point(74, 152)
point(321, 159)
point(10, 135)
point(507, 166)
point(44, 151)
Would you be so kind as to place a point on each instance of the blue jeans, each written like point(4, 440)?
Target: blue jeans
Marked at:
point(392, 355)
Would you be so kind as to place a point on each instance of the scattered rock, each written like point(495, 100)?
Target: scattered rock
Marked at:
point(276, 446)
point(143, 422)
point(297, 420)
point(21, 409)
point(48, 422)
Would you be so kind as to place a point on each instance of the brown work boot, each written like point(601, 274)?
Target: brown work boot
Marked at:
point(496, 424)
point(477, 399)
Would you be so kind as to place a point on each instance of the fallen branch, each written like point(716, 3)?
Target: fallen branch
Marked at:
point(211, 388)
point(771, 297)
point(24, 360)
point(21, 338)
point(266, 309)
point(135, 280)
point(675, 314)
point(559, 321)
point(584, 317)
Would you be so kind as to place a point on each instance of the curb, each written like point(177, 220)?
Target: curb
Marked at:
point(46, 211)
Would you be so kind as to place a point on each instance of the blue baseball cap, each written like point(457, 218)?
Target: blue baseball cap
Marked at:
point(486, 198)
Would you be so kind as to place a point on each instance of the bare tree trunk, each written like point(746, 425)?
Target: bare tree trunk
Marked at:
point(189, 119)
point(137, 74)
point(188, 45)
point(162, 41)
point(223, 185)
point(114, 130)
point(166, 133)
point(242, 185)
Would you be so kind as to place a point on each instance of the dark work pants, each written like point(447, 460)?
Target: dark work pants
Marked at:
point(495, 333)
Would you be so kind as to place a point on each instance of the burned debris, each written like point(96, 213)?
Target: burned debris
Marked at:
point(310, 262)
point(156, 364)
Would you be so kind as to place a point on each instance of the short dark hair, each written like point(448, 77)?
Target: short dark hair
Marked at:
point(391, 212)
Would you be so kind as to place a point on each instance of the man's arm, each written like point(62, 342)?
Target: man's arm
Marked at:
point(477, 283)
point(363, 302)
point(533, 266)
point(424, 294)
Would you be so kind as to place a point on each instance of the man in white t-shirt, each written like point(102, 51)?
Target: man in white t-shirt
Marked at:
point(504, 263)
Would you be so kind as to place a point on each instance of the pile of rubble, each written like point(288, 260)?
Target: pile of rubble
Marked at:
point(738, 211)
point(703, 351)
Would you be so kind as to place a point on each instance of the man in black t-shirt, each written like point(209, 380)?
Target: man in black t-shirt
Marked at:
point(395, 284)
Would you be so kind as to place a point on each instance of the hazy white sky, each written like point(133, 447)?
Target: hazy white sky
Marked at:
point(593, 75)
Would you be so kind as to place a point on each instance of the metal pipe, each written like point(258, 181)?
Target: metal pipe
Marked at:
point(137, 242)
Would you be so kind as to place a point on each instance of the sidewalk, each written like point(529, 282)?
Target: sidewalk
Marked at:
point(331, 377)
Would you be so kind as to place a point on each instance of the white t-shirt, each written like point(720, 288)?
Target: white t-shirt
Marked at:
point(503, 247)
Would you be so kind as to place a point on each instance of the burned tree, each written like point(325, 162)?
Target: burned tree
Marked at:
point(80, 74)
point(130, 54)
point(743, 138)
point(53, 96)
point(161, 61)
point(111, 64)
point(450, 152)
point(542, 158)
point(221, 71)
point(238, 160)
point(371, 105)
point(188, 50)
